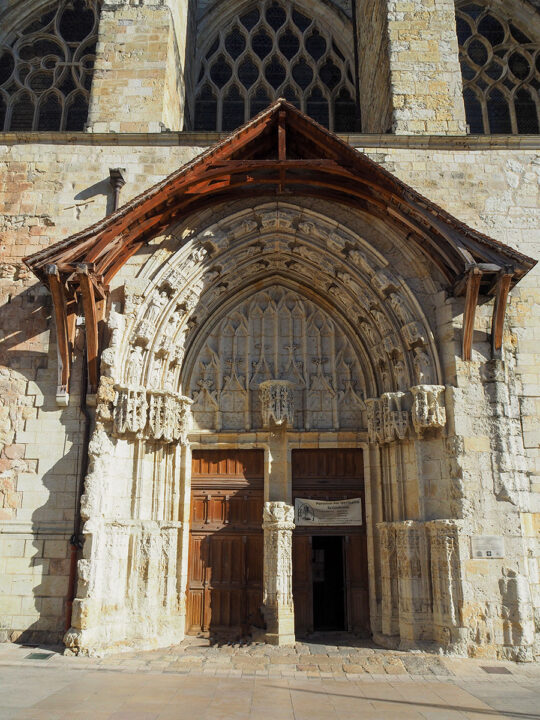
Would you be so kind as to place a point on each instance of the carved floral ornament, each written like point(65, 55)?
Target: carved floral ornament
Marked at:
point(162, 315)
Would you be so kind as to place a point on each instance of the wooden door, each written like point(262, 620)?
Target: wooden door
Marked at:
point(302, 584)
point(333, 474)
point(226, 542)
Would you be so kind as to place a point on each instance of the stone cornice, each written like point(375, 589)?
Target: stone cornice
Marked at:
point(202, 140)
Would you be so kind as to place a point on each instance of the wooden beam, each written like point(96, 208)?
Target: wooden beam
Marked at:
point(62, 342)
point(282, 136)
point(474, 277)
point(91, 325)
point(502, 288)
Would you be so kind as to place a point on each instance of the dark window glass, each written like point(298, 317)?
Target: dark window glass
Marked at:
point(498, 113)
point(302, 73)
point(50, 113)
point(317, 107)
point(345, 113)
point(206, 110)
point(77, 113)
point(235, 43)
point(259, 102)
point(220, 72)
point(248, 72)
point(233, 109)
point(526, 113)
point(490, 28)
point(275, 73)
point(473, 111)
point(22, 113)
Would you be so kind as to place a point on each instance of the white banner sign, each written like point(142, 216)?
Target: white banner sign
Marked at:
point(323, 512)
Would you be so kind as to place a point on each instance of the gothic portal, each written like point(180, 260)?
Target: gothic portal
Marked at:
point(269, 322)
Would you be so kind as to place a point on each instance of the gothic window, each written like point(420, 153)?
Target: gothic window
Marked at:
point(272, 51)
point(46, 70)
point(500, 65)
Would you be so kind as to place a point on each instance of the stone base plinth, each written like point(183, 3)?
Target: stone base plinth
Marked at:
point(280, 624)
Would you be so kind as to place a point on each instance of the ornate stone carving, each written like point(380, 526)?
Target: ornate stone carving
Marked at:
point(383, 281)
point(389, 579)
point(428, 409)
point(144, 332)
point(375, 420)
point(395, 419)
point(152, 414)
point(278, 524)
point(387, 420)
point(445, 578)
point(168, 417)
point(422, 366)
point(414, 334)
point(277, 402)
point(129, 409)
point(275, 334)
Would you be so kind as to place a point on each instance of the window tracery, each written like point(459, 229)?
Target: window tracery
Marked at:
point(46, 70)
point(500, 65)
point(274, 50)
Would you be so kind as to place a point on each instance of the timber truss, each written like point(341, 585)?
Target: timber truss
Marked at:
point(281, 151)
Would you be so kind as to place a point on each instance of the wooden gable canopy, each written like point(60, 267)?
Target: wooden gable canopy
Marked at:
point(280, 151)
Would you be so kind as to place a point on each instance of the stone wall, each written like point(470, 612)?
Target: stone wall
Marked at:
point(51, 189)
point(138, 83)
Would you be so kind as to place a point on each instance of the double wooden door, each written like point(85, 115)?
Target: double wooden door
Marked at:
point(226, 542)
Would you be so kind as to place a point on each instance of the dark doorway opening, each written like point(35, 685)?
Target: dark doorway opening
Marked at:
point(328, 582)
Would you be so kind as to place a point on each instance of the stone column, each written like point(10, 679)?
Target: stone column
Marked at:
point(410, 82)
point(139, 82)
point(278, 525)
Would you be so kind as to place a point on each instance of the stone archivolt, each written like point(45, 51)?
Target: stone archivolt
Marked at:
point(383, 330)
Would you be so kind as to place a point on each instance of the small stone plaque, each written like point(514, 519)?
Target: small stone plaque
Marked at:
point(487, 546)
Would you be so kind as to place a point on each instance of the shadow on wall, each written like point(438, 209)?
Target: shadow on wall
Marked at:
point(39, 470)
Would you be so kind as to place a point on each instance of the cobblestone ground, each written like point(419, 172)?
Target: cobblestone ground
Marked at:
point(328, 677)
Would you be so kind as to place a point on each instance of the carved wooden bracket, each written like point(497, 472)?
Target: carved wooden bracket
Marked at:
point(474, 278)
point(501, 290)
point(58, 294)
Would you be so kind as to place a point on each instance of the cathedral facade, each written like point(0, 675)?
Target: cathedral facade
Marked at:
point(270, 316)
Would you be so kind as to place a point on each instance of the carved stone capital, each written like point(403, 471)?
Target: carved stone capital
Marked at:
point(277, 402)
point(428, 411)
point(278, 516)
point(386, 417)
point(152, 414)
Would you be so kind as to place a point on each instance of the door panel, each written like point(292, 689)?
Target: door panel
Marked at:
point(302, 584)
point(226, 541)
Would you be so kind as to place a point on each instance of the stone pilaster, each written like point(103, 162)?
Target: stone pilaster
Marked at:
point(414, 75)
point(278, 600)
point(415, 619)
point(138, 83)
